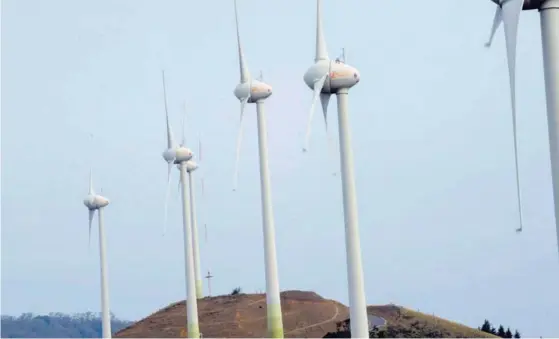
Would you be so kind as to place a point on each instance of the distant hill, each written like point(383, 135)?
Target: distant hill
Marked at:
point(305, 314)
point(57, 325)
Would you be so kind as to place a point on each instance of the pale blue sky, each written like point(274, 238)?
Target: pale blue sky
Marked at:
point(431, 137)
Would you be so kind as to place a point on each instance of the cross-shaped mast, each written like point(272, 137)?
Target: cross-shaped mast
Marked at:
point(209, 277)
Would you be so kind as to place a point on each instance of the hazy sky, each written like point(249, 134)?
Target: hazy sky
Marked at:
point(431, 136)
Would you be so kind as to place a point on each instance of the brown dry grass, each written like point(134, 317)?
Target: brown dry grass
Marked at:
point(406, 318)
point(305, 315)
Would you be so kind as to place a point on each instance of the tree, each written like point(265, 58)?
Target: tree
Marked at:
point(486, 327)
point(508, 333)
point(501, 331)
point(493, 330)
point(236, 291)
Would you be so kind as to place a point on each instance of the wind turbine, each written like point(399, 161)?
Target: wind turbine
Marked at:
point(326, 77)
point(256, 91)
point(180, 155)
point(508, 12)
point(95, 202)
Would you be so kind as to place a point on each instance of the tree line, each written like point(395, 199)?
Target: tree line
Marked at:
point(487, 327)
point(57, 325)
point(417, 329)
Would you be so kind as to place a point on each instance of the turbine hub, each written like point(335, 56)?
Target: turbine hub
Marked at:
point(317, 71)
point(182, 154)
point(242, 90)
point(89, 201)
point(169, 155)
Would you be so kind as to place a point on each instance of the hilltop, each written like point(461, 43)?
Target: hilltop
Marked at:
point(305, 314)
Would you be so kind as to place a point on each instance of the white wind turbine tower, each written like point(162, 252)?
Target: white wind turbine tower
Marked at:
point(191, 166)
point(95, 202)
point(256, 91)
point(180, 155)
point(327, 77)
point(508, 12)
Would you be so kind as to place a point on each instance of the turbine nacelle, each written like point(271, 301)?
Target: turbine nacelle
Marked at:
point(191, 165)
point(95, 201)
point(259, 91)
point(338, 75)
point(177, 155)
point(255, 90)
point(183, 154)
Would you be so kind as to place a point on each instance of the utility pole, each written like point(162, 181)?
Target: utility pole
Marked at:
point(209, 277)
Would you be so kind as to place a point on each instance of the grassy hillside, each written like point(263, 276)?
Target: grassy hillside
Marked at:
point(305, 314)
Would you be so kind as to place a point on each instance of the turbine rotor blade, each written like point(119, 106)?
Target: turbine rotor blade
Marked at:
point(202, 184)
point(332, 151)
point(170, 143)
point(91, 191)
point(324, 100)
point(167, 189)
point(199, 149)
point(203, 199)
point(321, 50)
point(496, 22)
point(206, 233)
point(183, 140)
point(91, 213)
point(179, 182)
point(245, 75)
point(201, 175)
point(316, 92)
point(239, 140)
point(511, 14)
